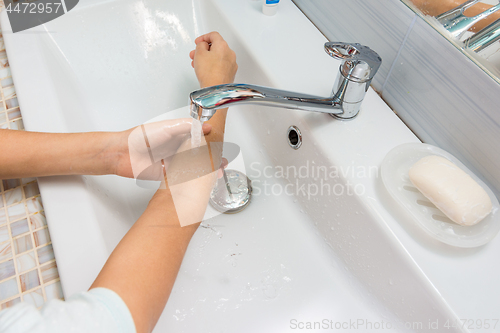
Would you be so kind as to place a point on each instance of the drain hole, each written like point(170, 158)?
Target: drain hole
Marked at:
point(294, 137)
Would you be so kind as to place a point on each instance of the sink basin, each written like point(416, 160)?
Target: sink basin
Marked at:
point(297, 254)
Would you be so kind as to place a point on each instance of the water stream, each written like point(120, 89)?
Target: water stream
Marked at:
point(196, 133)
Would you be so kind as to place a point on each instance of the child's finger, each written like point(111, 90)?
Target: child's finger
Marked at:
point(206, 128)
point(224, 163)
point(202, 47)
point(209, 38)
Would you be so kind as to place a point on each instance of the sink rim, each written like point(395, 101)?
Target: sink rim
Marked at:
point(278, 78)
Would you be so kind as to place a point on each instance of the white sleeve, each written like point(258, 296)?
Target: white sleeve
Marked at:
point(98, 310)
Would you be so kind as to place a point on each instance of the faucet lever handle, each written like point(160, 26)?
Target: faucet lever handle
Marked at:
point(352, 55)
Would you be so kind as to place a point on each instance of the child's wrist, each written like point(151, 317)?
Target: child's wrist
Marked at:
point(214, 82)
point(114, 155)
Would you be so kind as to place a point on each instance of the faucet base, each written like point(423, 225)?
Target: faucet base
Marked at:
point(339, 117)
point(350, 111)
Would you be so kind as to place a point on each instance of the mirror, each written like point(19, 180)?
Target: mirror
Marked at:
point(473, 26)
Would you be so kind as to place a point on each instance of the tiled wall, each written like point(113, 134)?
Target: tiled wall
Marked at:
point(28, 270)
point(443, 97)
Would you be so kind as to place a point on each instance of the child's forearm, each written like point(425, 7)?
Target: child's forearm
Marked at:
point(33, 154)
point(143, 267)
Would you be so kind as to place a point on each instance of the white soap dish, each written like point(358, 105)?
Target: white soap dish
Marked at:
point(394, 173)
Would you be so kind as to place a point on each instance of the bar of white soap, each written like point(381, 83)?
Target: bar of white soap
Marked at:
point(451, 190)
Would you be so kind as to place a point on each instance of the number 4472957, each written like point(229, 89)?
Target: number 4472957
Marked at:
point(33, 8)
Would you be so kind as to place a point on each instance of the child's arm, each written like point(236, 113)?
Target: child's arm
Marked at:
point(33, 154)
point(143, 267)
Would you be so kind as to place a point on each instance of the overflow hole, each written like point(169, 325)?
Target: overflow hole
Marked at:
point(294, 137)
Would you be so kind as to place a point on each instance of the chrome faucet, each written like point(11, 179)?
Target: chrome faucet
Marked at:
point(484, 38)
point(359, 66)
point(457, 23)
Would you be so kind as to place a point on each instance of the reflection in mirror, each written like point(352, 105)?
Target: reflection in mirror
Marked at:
point(471, 25)
point(437, 7)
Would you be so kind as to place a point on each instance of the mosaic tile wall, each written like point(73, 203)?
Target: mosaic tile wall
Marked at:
point(28, 270)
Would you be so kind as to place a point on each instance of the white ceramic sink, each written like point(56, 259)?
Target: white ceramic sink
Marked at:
point(284, 260)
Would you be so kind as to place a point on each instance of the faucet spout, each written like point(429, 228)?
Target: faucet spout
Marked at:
point(359, 65)
point(211, 99)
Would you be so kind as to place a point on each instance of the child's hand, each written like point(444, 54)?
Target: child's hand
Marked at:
point(144, 150)
point(213, 61)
